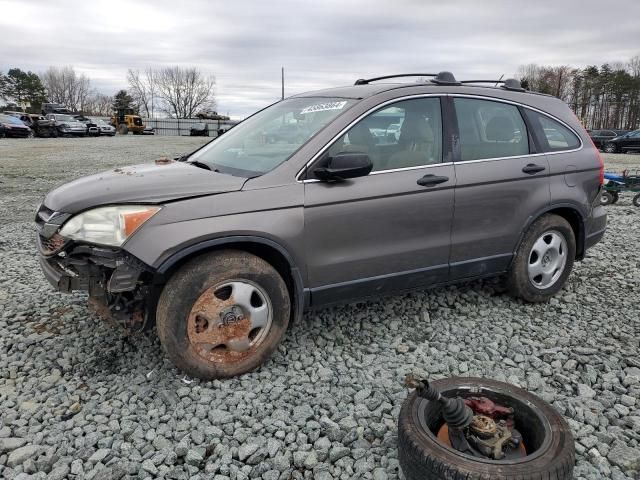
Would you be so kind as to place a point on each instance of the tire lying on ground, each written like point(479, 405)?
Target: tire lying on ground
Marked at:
point(547, 437)
point(222, 314)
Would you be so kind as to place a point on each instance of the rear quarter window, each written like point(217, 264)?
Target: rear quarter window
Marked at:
point(554, 136)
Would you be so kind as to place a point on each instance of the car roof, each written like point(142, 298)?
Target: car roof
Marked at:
point(359, 92)
point(444, 83)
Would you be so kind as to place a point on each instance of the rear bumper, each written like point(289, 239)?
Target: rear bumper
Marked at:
point(596, 227)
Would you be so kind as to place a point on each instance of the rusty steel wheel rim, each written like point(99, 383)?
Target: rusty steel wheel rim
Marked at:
point(229, 321)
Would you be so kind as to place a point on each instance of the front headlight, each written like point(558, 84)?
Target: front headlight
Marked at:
point(108, 225)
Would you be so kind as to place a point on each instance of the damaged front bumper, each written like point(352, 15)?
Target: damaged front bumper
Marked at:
point(120, 286)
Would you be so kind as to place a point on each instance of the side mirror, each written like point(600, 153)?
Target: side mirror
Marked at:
point(345, 165)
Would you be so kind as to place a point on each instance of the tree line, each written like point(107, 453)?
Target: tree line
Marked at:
point(179, 92)
point(605, 97)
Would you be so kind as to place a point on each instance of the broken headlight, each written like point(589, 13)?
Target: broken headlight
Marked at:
point(108, 225)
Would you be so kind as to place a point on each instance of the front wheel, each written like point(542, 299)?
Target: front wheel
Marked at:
point(636, 200)
point(543, 260)
point(223, 314)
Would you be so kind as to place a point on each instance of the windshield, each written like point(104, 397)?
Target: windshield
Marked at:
point(10, 119)
point(265, 140)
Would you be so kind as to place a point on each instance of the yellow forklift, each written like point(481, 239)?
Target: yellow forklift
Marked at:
point(125, 120)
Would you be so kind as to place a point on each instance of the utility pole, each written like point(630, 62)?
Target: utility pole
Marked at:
point(282, 83)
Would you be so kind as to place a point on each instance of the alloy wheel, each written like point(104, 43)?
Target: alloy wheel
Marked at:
point(547, 259)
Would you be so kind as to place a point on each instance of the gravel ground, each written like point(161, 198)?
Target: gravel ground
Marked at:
point(77, 400)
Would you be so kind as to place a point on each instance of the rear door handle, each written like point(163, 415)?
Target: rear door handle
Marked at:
point(431, 180)
point(532, 168)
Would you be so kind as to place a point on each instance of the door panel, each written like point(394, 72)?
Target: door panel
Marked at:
point(499, 186)
point(493, 200)
point(379, 233)
point(383, 232)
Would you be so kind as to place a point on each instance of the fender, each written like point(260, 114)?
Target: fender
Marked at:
point(298, 286)
point(578, 208)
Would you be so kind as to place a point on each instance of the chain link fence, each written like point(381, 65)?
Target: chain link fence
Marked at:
point(182, 126)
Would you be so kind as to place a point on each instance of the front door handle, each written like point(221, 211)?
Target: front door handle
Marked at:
point(532, 168)
point(431, 180)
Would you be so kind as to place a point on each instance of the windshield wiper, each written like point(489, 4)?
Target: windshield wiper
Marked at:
point(198, 164)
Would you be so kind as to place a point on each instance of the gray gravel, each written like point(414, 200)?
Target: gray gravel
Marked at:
point(77, 400)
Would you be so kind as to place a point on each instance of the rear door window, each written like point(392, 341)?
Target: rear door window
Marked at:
point(554, 136)
point(490, 129)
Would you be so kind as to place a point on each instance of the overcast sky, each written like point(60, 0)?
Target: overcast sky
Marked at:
point(320, 43)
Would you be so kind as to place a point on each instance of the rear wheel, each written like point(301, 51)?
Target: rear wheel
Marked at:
point(610, 148)
point(223, 314)
point(543, 260)
point(636, 200)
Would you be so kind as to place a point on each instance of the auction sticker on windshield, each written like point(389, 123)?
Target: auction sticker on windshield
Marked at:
point(321, 107)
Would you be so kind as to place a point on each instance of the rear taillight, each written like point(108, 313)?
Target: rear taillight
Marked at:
point(600, 159)
point(601, 167)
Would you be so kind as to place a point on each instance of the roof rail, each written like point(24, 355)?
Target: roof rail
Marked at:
point(447, 78)
point(508, 84)
point(442, 78)
point(364, 81)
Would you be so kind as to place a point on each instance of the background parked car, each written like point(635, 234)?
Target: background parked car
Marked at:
point(67, 125)
point(199, 130)
point(601, 137)
point(148, 130)
point(211, 115)
point(92, 128)
point(40, 126)
point(13, 127)
point(48, 108)
point(103, 127)
point(624, 143)
point(287, 133)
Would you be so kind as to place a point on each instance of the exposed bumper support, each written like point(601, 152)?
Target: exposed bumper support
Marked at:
point(118, 284)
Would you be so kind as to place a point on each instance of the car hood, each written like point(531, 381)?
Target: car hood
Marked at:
point(161, 181)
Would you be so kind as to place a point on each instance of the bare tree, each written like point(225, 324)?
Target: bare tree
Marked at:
point(99, 104)
point(66, 87)
point(142, 87)
point(634, 66)
point(183, 91)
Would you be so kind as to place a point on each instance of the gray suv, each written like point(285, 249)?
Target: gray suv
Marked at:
point(389, 187)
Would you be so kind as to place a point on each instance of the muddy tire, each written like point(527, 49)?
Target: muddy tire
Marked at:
point(543, 260)
point(222, 314)
point(422, 456)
